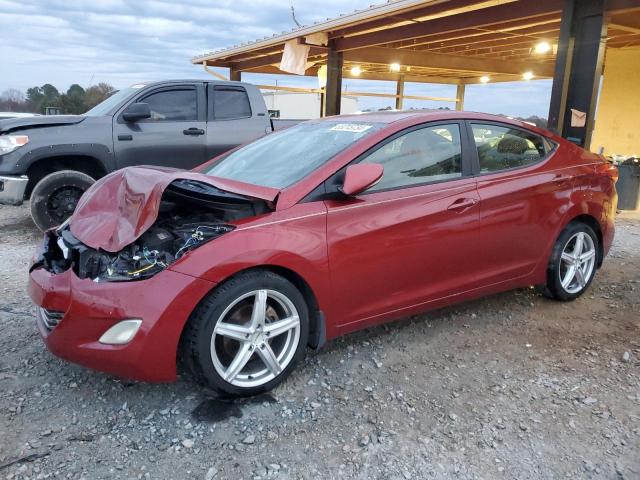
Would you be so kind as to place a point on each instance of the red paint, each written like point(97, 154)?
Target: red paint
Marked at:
point(368, 259)
point(120, 207)
point(359, 177)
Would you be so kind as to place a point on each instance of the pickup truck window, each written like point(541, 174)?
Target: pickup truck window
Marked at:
point(230, 103)
point(173, 105)
point(104, 107)
point(286, 157)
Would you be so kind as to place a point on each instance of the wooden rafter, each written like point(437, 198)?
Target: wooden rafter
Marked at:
point(385, 56)
point(491, 16)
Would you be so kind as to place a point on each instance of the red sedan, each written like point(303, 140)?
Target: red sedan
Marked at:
point(325, 228)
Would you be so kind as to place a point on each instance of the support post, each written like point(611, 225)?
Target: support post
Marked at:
point(578, 69)
point(333, 91)
point(460, 96)
point(235, 75)
point(399, 91)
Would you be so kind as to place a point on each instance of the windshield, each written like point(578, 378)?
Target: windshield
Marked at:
point(104, 107)
point(284, 158)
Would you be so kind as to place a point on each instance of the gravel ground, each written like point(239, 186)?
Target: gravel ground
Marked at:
point(512, 386)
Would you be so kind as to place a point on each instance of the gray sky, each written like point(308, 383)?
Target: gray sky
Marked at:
point(127, 41)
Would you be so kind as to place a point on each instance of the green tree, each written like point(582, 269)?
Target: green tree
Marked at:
point(96, 94)
point(35, 97)
point(73, 101)
point(45, 96)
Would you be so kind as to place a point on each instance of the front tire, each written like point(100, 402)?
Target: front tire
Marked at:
point(54, 198)
point(573, 262)
point(247, 335)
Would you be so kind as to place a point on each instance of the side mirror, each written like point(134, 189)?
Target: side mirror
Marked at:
point(136, 111)
point(361, 176)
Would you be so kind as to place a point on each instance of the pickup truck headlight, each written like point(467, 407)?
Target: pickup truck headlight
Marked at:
point(8, 143)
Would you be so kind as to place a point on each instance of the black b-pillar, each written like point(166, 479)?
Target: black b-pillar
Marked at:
point(580, 55)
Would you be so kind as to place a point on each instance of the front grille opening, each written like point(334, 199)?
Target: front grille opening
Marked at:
point(51, 318)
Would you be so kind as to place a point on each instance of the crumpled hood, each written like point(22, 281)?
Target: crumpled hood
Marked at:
point(121, 206)
point(11, 124)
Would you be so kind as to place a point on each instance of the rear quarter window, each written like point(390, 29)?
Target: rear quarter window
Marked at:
point(503, 147)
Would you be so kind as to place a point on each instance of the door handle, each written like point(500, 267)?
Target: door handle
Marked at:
point(462, 204)
point(193, 131)
point(125, 137)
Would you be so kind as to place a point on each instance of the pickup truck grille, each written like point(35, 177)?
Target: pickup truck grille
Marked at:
point(50, 318)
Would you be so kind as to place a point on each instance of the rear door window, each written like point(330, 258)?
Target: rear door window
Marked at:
point(230, 103)
point(504, 148)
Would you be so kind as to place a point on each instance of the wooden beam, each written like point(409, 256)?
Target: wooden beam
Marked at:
point(460, 97)
point(271, 59)
point(495, 79)
point(386, 56)
point(436, 10)
point(617, 6)
point(625, 28)
point(399, 91)
point(213, 72)
point(392, 77)
point(393, 95)
point(490, 16)
point(333, 91)
point(498, 40)
point(513, 27)
point(235, 75)
point(289, 89)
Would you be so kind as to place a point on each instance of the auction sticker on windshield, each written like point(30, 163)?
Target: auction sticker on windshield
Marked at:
point(350, 127)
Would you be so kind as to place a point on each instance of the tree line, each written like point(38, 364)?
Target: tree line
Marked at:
point(75, 100)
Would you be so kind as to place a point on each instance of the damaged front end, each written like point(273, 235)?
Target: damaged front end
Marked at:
point(190, 214)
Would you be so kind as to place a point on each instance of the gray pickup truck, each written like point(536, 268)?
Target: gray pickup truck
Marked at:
point(180, 123)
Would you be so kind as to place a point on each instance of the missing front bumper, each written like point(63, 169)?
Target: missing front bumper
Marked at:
point(12, 188)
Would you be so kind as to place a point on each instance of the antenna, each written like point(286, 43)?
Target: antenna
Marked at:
point(293, 15)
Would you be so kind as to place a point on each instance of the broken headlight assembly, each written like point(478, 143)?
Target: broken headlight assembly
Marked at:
point(190, 215)
point(151, 253)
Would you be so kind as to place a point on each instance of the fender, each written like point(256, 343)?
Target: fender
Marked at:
point(298, 246)
point(101, 153)
point(582, 203)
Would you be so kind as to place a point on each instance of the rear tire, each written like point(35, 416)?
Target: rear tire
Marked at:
point(236, 348)
point(54, 198)
point(573, 262)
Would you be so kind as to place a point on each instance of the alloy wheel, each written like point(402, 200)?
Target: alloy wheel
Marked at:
point(255, 338)
point(577, 262)
point(63, 201)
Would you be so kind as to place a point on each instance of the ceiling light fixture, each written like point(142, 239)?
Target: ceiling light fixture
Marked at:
point(394, 67)
point(527, 75)
point(542, 48)
point(484, 79)
point(356, 71)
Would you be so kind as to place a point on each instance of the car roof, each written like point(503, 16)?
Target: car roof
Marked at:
point(171, 81)
point(425, 115)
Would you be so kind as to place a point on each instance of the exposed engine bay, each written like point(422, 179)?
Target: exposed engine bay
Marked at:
point(191, 213)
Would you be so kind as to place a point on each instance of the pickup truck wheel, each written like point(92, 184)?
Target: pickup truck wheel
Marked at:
point(54, 198)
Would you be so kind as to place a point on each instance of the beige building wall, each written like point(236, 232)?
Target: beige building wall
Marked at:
point(617, 126)
point(303, 106)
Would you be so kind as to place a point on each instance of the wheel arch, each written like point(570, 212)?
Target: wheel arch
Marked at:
point(44, 166)
point(593, 223)
point(317, 326)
